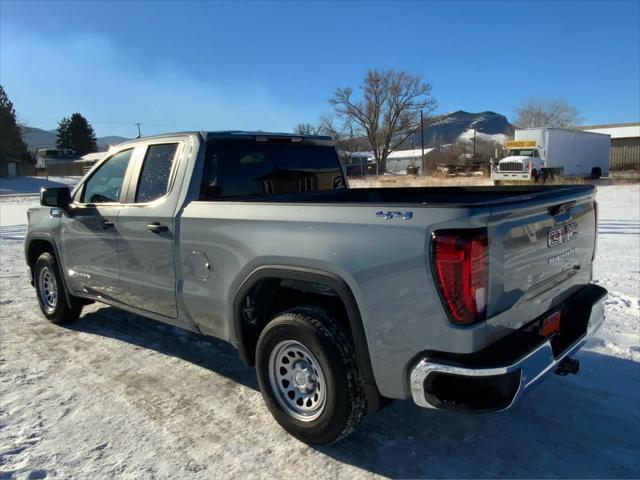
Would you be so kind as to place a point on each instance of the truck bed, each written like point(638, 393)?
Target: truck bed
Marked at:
point(426, 196)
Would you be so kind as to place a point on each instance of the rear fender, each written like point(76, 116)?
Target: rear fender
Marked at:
point(320, 277)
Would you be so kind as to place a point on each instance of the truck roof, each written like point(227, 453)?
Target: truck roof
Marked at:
point(237, 134)
point(575, 130)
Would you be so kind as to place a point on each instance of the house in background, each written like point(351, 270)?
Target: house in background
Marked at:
point(400, 160)
point(64, 162)
point(363, 163)
point(9, 167)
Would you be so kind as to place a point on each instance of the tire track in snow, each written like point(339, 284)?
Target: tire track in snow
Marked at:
point(13, 232)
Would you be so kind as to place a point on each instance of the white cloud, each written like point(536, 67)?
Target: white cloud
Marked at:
point(50, 78)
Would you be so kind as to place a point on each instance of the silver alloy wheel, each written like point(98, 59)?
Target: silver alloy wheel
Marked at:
point(297, 381)
point(48, 290)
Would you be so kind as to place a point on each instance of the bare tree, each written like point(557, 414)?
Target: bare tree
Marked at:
point(388, 111)
point(556, 113)
point(306, 129)
point(343, 133)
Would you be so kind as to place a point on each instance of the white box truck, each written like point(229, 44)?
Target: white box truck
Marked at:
point(543, 153)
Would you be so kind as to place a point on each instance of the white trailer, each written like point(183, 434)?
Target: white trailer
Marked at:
point(543, 153)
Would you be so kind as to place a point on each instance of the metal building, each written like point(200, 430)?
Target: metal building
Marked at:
point(399, 160)
point(625, 144)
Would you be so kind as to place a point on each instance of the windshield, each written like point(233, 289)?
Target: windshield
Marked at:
point(525, 152)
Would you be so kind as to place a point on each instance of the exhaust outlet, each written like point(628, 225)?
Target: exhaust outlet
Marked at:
point(568, 365)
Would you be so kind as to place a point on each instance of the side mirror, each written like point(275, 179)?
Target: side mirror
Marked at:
point(59, 197)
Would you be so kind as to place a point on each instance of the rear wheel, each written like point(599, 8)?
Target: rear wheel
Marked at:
point(596, 173)
point(307, 373)
point(51, 292)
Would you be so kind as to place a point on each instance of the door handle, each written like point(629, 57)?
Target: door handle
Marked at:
point(156, 227)
point(106, 224)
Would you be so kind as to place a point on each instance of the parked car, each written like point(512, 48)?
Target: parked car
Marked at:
point(459, 298)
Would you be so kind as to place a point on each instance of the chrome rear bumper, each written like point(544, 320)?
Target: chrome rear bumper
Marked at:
point(505, 382)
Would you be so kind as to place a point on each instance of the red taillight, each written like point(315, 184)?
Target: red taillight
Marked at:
point(459, 259)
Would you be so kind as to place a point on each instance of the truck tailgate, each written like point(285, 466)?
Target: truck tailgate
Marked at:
point(541, 252)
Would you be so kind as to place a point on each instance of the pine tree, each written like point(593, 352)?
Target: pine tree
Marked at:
point(63, 139)
point(77, 134)
point(11, 144)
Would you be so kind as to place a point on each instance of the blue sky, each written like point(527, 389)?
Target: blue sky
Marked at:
point(269, 65)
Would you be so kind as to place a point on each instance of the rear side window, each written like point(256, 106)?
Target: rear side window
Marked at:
point(156, 170)
point(239, 169)
point(105, 184)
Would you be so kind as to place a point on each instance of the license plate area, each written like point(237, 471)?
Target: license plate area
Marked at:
point(550, 325)
point(574, 320)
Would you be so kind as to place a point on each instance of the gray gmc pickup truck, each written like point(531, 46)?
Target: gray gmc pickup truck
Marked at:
point(459, 298)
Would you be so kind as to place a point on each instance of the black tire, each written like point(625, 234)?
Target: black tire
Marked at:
point(596, 173)
point(61, 312)
point(345, 403)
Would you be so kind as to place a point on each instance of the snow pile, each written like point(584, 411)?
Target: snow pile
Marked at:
point(31, 185)
point(617, 268)
point(116, 395)
point(13, 217)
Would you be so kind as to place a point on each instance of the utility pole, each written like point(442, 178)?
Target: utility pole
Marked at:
point(138, 125)
point(422, 141)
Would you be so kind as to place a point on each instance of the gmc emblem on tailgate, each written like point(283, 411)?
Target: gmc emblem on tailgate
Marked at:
point(559, 235)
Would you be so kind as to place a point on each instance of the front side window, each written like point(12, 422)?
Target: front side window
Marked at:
point(238, 169)
point(105, 185)
point(156, 170)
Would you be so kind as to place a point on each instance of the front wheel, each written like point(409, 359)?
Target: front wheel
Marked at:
point(51, 292)
point(535, 176)
point(307, 372)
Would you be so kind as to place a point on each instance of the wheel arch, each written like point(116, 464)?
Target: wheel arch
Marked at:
point(37, 244)
point(246, 347)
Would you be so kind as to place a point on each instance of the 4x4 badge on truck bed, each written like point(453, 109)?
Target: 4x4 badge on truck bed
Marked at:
point(390, 215)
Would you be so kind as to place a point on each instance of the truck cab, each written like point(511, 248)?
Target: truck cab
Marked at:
point(521, 163)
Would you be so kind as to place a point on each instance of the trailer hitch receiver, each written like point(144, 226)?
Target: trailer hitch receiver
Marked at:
point(568, 365)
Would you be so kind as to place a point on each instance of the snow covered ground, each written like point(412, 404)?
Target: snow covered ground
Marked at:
point(118, 395)
point(30, 185)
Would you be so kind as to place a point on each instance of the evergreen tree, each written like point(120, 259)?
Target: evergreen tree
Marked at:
point(63, 139)
point(11, 144)
point(77, 134)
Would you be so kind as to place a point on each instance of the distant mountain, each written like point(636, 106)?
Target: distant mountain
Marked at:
point(37, 138)
point(446, 129)
point(110, 140)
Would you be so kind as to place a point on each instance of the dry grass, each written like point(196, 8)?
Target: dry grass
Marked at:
point(615, 178)
point(411, 181)
point(625, 177)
